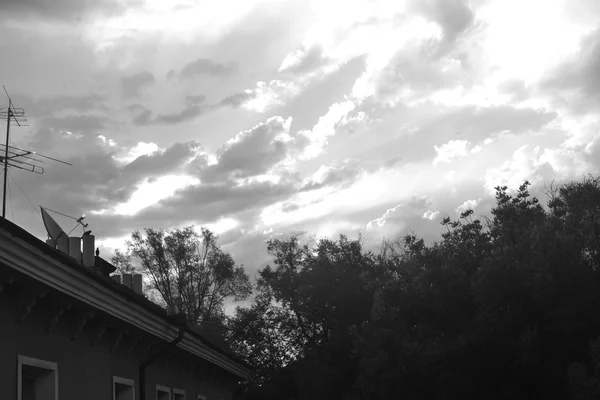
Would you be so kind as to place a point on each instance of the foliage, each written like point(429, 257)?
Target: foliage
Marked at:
point(504, 308)
point(306, 304)
point(122, 261)
point(189, 271)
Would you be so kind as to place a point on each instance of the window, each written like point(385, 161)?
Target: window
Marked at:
point(36, 379)
point(163, 393)
point(123, 389)
point(178, 394)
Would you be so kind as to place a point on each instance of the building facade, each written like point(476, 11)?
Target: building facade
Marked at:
point(68, 331)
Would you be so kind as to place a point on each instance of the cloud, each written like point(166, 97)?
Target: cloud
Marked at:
point(525, 164)
point(203, 66)
point(150, 192)
point(383, 219)
point(467, 205)
point(411, 206)
point(104, 174)
point(173, 158)
point(262, 98)
point(194, 107)
point(186, 114)
point(481, 122)
point(45, 106)
point(76, 123)
point(238, 99)
point(266, 95)
point(335, 174)
point(195, 100)
point(325, 127)
point(140, 149)
point(141, 115)
point(224, 198)
point(133, 85)
point(392, 161)
point(304, 60)
point(452, 150)
point(64, 10)
point(576, 79)
point(253, 151)
point(50, 130)
point(430, 215)
point(454, 16)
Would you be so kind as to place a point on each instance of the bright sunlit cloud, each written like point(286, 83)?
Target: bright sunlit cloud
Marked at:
point(151, 192)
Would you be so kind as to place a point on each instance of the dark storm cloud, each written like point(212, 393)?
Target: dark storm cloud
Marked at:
point(188, 113)
point(155, 164)
point(194, 107)
point(252, 152)
point(340, 175)
point(205, 202)
point(203, 66)
point(97, 180)
point(576, 82)
point(132, 85)
point(64, 10)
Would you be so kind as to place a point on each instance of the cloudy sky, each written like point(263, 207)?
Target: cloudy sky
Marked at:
point(257, 118)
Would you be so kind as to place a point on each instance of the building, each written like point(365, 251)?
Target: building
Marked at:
point(69, 331)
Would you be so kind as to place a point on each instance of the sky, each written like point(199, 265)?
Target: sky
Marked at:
point(258, 118)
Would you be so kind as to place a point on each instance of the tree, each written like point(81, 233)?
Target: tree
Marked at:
point(297, 332)
point(122, 261)
point(189, 271)
point(502, 309)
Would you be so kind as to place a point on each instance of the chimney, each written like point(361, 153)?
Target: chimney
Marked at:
point(63, 243)
point(89, 244)
point(116, 278)
point(75, 248)
point(127, 280)
point(137, 283)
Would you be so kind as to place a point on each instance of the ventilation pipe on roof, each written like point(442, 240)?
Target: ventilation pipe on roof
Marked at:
point(75, 248)
point(63, 243)
point(137, 283)
point(127, 281)
point(159, 352)
point(89, 247)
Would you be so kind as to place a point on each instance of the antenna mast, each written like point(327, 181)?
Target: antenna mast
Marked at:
point(14, 156)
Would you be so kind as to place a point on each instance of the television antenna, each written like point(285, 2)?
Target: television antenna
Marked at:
point(14, 156)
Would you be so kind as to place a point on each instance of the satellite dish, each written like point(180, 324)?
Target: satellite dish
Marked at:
point(54, 230)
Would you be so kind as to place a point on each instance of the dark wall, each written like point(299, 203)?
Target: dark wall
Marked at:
point(86, 371)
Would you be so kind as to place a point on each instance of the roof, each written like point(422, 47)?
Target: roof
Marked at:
point(121, 291)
